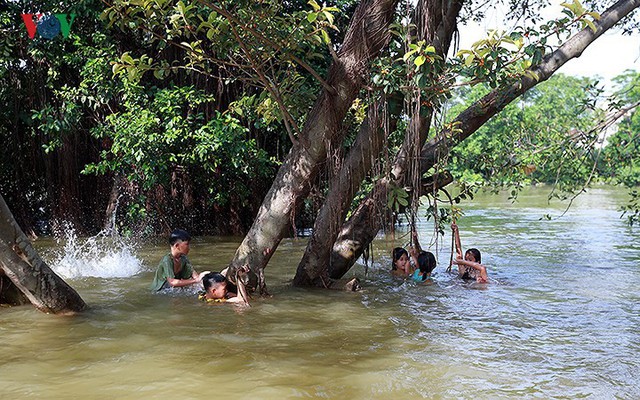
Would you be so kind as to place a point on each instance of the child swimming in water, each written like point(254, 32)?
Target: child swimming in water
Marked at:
point(423, 262)
point(470, 266)
point(400, 264)
point(426, 262)
point(175, 270)
point(216, 290)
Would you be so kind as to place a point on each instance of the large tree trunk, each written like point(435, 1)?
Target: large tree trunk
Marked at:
point(26, 270)
point(436, 22)
point(363, 225)
point(367, 34)
point(9, 293)
point(312, 269)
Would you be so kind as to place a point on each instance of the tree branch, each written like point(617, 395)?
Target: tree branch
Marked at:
point(277, 47)
point(288, 119)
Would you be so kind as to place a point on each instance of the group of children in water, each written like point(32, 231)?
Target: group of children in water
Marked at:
point(424, 262)
point(175, 269)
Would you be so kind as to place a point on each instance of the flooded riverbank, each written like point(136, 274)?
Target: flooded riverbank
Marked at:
point(560, 319)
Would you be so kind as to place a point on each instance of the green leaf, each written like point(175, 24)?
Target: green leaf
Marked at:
point(181, 7)
point(126, 58)
point(408, 54)
point(469, 60)
point(116, 68)
point(315, 5)
point(132, 73)
point(328, 16)
point(594, 15)
point(532, 75)
point(590, 24)
point(575, 8)
point(312, 16)
point(325, 36)
point(419, 60)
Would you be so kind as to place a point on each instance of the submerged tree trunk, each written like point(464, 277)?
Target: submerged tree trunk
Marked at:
point(362, 227)
point(26, 270)
point(312, 269)
point(367, 34)
point(436, 22)
point(9, 293)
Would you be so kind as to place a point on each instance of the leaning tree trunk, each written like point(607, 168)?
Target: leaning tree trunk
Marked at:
point(362, 227)
point(26, 270)
point(436, 22)
point(312, 269)
point(367, 34)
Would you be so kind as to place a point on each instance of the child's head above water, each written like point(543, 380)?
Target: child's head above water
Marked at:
point(473, 255)
point(400, 257)
point(215, 285)
point(179, 235)
point(426, 262)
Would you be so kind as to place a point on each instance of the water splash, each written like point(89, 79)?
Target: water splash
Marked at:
point(105, 255)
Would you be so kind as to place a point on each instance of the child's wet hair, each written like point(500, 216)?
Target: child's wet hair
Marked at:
point(179, 235)
point(476, 255)
point(211, 279)
point(396, 254)
point(426, 262)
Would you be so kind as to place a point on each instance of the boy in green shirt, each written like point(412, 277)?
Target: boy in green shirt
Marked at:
point(175, 270)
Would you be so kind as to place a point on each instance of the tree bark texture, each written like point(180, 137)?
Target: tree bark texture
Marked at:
point(436, 22)
point(26, 270)
point(312, 269)
point(367, 34)
point(9, 293)
point(363, 225)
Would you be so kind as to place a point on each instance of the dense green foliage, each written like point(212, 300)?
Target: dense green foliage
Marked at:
point(186, 143)
point(42, 123)
point(618, 161)
point(161, 137)
point(179, 112)
point(559, 133)
point(542, 138)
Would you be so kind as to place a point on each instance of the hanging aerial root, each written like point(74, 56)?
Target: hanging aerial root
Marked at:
point(452, 233)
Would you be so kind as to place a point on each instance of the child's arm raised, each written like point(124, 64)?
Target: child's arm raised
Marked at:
point(416, 243)
point(415, 249)
point(456, 235)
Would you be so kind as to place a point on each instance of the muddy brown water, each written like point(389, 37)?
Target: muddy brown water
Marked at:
point(560, 319)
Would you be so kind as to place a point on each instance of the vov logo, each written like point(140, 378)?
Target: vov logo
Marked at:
point(48, 25)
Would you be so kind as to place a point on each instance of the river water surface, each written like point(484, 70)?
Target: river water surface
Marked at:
point(560, 319)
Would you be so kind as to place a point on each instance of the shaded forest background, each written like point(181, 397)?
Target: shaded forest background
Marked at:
point(111, 119)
